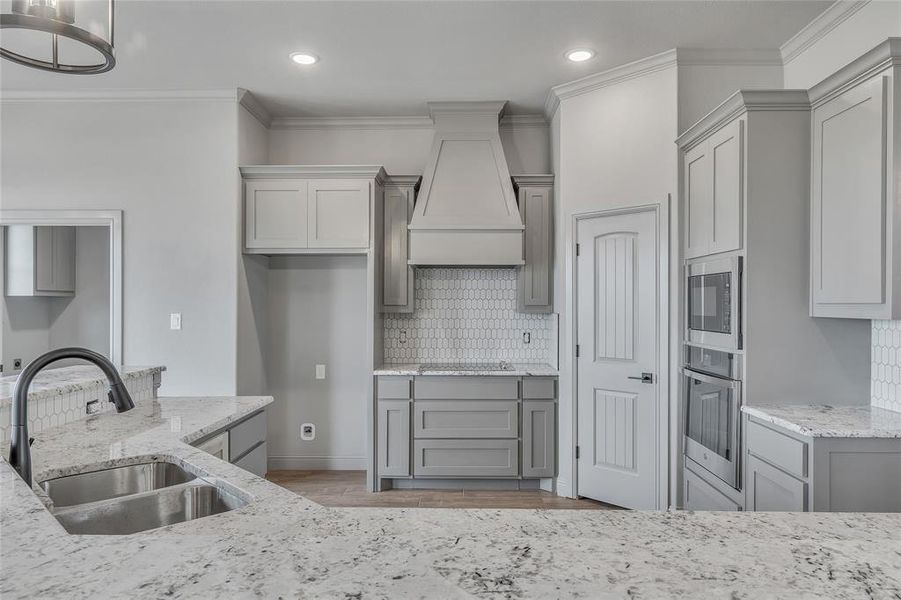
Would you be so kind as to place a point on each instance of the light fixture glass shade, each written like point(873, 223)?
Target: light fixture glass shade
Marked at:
point(44, 34)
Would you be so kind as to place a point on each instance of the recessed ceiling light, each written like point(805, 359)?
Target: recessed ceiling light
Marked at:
point(304, 58)
point(580, 55)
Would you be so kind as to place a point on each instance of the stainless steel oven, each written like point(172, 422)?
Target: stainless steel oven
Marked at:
point(713, 303)
point(711, 382)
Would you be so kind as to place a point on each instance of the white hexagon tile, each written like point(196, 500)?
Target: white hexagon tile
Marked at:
point(467, 315)
point(885, 379)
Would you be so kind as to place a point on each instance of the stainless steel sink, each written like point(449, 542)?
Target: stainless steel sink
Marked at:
point(148, 510)
point(114, 483)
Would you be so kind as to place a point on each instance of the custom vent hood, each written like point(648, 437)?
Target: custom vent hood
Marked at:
point(466, 211)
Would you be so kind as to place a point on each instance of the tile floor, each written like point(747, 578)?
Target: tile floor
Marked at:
point(348, 488)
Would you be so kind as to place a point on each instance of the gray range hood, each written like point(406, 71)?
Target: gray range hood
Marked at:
point(466, 211)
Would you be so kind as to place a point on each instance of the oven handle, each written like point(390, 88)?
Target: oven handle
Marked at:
point(720, 381)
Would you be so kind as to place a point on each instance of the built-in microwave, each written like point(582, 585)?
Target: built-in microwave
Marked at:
point(713, 303)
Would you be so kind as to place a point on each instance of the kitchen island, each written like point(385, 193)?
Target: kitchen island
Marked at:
point(283, 545)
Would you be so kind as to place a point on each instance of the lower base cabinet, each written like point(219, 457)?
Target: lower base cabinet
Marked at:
point(242, 444)
point(465, 458)
point(700, 495)
point(769, 489)
point(539, 438)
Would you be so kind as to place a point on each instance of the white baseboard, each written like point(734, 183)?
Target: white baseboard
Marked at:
point(317, 463)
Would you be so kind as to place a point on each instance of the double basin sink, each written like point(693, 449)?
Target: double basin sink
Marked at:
point(134, 498)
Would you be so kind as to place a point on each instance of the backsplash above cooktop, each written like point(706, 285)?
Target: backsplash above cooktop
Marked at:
point(468, 315)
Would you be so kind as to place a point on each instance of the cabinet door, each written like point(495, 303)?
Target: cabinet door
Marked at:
point(393, 438)
point(54, 260)
point(465, 458)
point(726, 156)
point(770, 489)
point(338, 213)
point(539, 438)
point(397, 275)
point(275, 214)
point(534, 277)
point(848, 211)
point(254, 461)
point(697, 179)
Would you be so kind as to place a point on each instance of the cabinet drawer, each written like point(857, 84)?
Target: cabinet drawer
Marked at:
point(700, 495)
point(778, 449)
point(254, 461)
point(466, 388)
point(466, 419)
point(394, 388)
point(539, 388)
point(246, 435)
point(466, 458)
point(769, 489)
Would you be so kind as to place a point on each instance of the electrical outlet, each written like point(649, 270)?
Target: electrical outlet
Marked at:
point(92, 407)
point(403, 336)
point(308, 432)
point(527, 337)
point(320, 371)
point(17, 364)
point(174, 321)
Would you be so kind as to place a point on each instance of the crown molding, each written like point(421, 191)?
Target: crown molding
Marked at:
point(638, 68)
point(33, 96)
point(761, 57)
point(386, 123)
point(413, 180)
point(530, 179)
point(817, 29)
point(254, 107)
point(740, 102)
point(314, 172)
point(886, 54)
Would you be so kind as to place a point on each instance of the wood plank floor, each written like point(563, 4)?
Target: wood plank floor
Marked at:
point(348, 488)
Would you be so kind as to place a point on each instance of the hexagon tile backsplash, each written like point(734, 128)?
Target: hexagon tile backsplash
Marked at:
point(885, 379)
point(468, 315)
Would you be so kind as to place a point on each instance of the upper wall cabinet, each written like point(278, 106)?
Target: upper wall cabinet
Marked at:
point(535, 277)
point(40, 261)
point(309, 210)
point(397, 274)
point(713, 191)
point(855, 197)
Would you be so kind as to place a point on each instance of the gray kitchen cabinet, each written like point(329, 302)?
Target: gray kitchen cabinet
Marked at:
point(789, 471)
point(393, 438)
point(854, 220)
point(40, 260)
point(465, 458)
point(466, 419)
point(397, 275)
point(242, 443)
point(713, 188)
point(770, 489)
point(309, 209)
point(535, 277)
point(698, 494)
point(466, 388)
point(539, 438)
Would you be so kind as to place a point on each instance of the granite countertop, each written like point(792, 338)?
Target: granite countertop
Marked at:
point(831, 421)
point(283, 545)
point(64, 380)
point(516, 370)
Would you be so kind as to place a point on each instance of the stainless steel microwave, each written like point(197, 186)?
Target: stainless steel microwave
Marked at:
point(713, 303)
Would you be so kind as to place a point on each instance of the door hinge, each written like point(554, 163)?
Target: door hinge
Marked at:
point(577, 452)
point(577, 350)
point(578, 249)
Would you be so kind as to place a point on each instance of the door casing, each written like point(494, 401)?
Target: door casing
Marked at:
point(662, 214)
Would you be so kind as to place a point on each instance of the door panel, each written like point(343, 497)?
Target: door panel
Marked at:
point(618, 338)
point(338, 214)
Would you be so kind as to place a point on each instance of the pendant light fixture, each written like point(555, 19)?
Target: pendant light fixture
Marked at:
point(49, 35)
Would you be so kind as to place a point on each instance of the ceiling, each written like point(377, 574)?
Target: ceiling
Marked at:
point(390, 58)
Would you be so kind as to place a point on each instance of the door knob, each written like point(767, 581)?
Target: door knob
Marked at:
point(645, 377)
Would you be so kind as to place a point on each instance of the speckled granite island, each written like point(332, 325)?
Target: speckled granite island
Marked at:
point(822, 458)
point(282, 545)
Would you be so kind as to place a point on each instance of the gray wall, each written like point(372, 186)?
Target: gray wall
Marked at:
point(171, 167)
point(316, 315)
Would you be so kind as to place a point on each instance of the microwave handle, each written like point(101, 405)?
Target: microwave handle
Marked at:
point(727, 383)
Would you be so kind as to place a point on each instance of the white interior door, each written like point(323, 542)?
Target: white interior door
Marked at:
point(618, 337)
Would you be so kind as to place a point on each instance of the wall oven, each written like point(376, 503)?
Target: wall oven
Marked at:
point(711, 382)
point(713, 303)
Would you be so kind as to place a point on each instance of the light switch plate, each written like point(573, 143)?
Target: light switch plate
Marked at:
point(320, 371)
point(174, 321)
